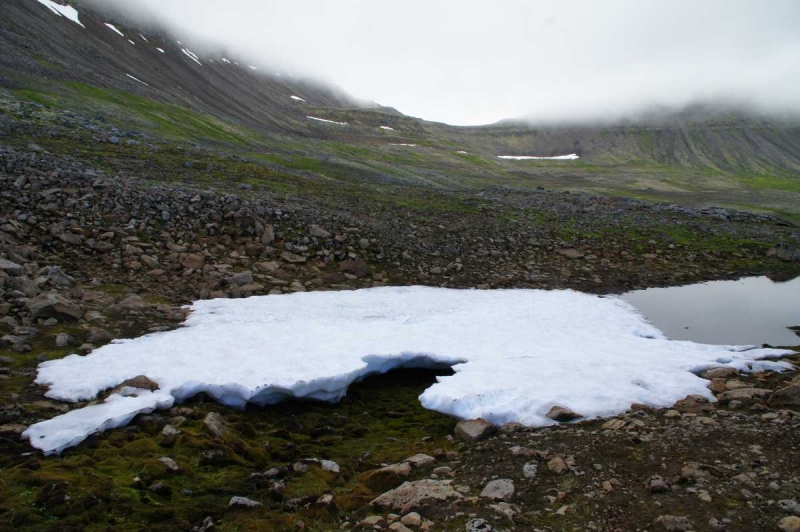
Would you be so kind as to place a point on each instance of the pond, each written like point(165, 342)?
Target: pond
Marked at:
point(753, 310)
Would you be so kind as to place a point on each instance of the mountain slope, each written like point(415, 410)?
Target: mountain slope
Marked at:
point(700, 156)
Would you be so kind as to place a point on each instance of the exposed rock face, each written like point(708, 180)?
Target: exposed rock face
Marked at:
point(474, 430)
point(411, 495)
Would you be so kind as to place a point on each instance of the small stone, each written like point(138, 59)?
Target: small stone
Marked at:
point(613, 424)
point(421, 461)
point(474, 430)
point(674, 523)
point(789, 506)
point(562, 414)
point(243, 502)
point(789, 524)
point(656, 484)
point(169, 463)
point(216, 424)
point(557, 465)
point(499, 490)
point(479, 525)
point(529, 470)
point(412, 519)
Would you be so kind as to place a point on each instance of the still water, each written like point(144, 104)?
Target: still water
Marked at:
point(753, 310)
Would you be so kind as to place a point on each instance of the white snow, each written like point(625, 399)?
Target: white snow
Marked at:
point(143, 38)
point(114, 29)
point(130, 41)
point(137, 79)
point(56, 434)
point(570, 157)
point(66, 11)
point(387, 128)
point(225, 61)
point(191, 56)
point(400, 144)
point(296, 98)
point(327, 121)
point(161, 50)
point(251, 67)
point(515, 353)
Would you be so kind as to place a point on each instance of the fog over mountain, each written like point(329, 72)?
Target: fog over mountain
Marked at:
point(470, 62)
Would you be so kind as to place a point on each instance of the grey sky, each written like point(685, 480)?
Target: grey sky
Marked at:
point(472, 62)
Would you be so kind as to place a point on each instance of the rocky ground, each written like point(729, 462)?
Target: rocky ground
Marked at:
point(106, 234)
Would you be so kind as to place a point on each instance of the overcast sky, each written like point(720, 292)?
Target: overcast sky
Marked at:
point(479, 61)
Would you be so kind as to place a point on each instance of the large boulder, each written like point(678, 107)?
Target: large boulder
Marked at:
point(473, 430)
point(412, 495)
point(54, 306)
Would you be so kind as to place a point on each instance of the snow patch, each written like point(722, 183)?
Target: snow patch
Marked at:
point(114, 29)
point(225, 61)
point(143, 38)
point(462, 152)
point(130, 41)
point(387, 128)
point(251, 67)
point(296, 98)
point(570, 157)
point(137, 79)
point(56, 434)
point(191, 56)
point(400, 144)
point(161, 50)
point(63, 11)
point(327, 121)
point(515, 354)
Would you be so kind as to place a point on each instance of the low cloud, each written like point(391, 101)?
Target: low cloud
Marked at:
point(474, 62)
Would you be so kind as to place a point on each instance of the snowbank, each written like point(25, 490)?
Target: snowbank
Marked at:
point(516, 353)
point(570, 157)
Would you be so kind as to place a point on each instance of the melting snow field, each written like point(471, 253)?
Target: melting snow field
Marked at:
point(570, 157)
point(515, 354)
point(66, 11)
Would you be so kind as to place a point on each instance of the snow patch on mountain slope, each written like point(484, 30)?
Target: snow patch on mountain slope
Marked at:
point(191, 56)
point(570, 157)
point(65, 11)
point(327, 121)
point(114, 29)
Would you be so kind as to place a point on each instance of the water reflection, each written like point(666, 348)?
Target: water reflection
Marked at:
point(753, 310)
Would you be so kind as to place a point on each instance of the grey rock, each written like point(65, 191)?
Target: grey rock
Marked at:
point(216, 425)
point(474, 430)
point(243, 502)
point(477, 524)
point(411, 495)
point(11, 268)
point(499, 490)
point(54, 306)
point(562, 414)
point(674, 523)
